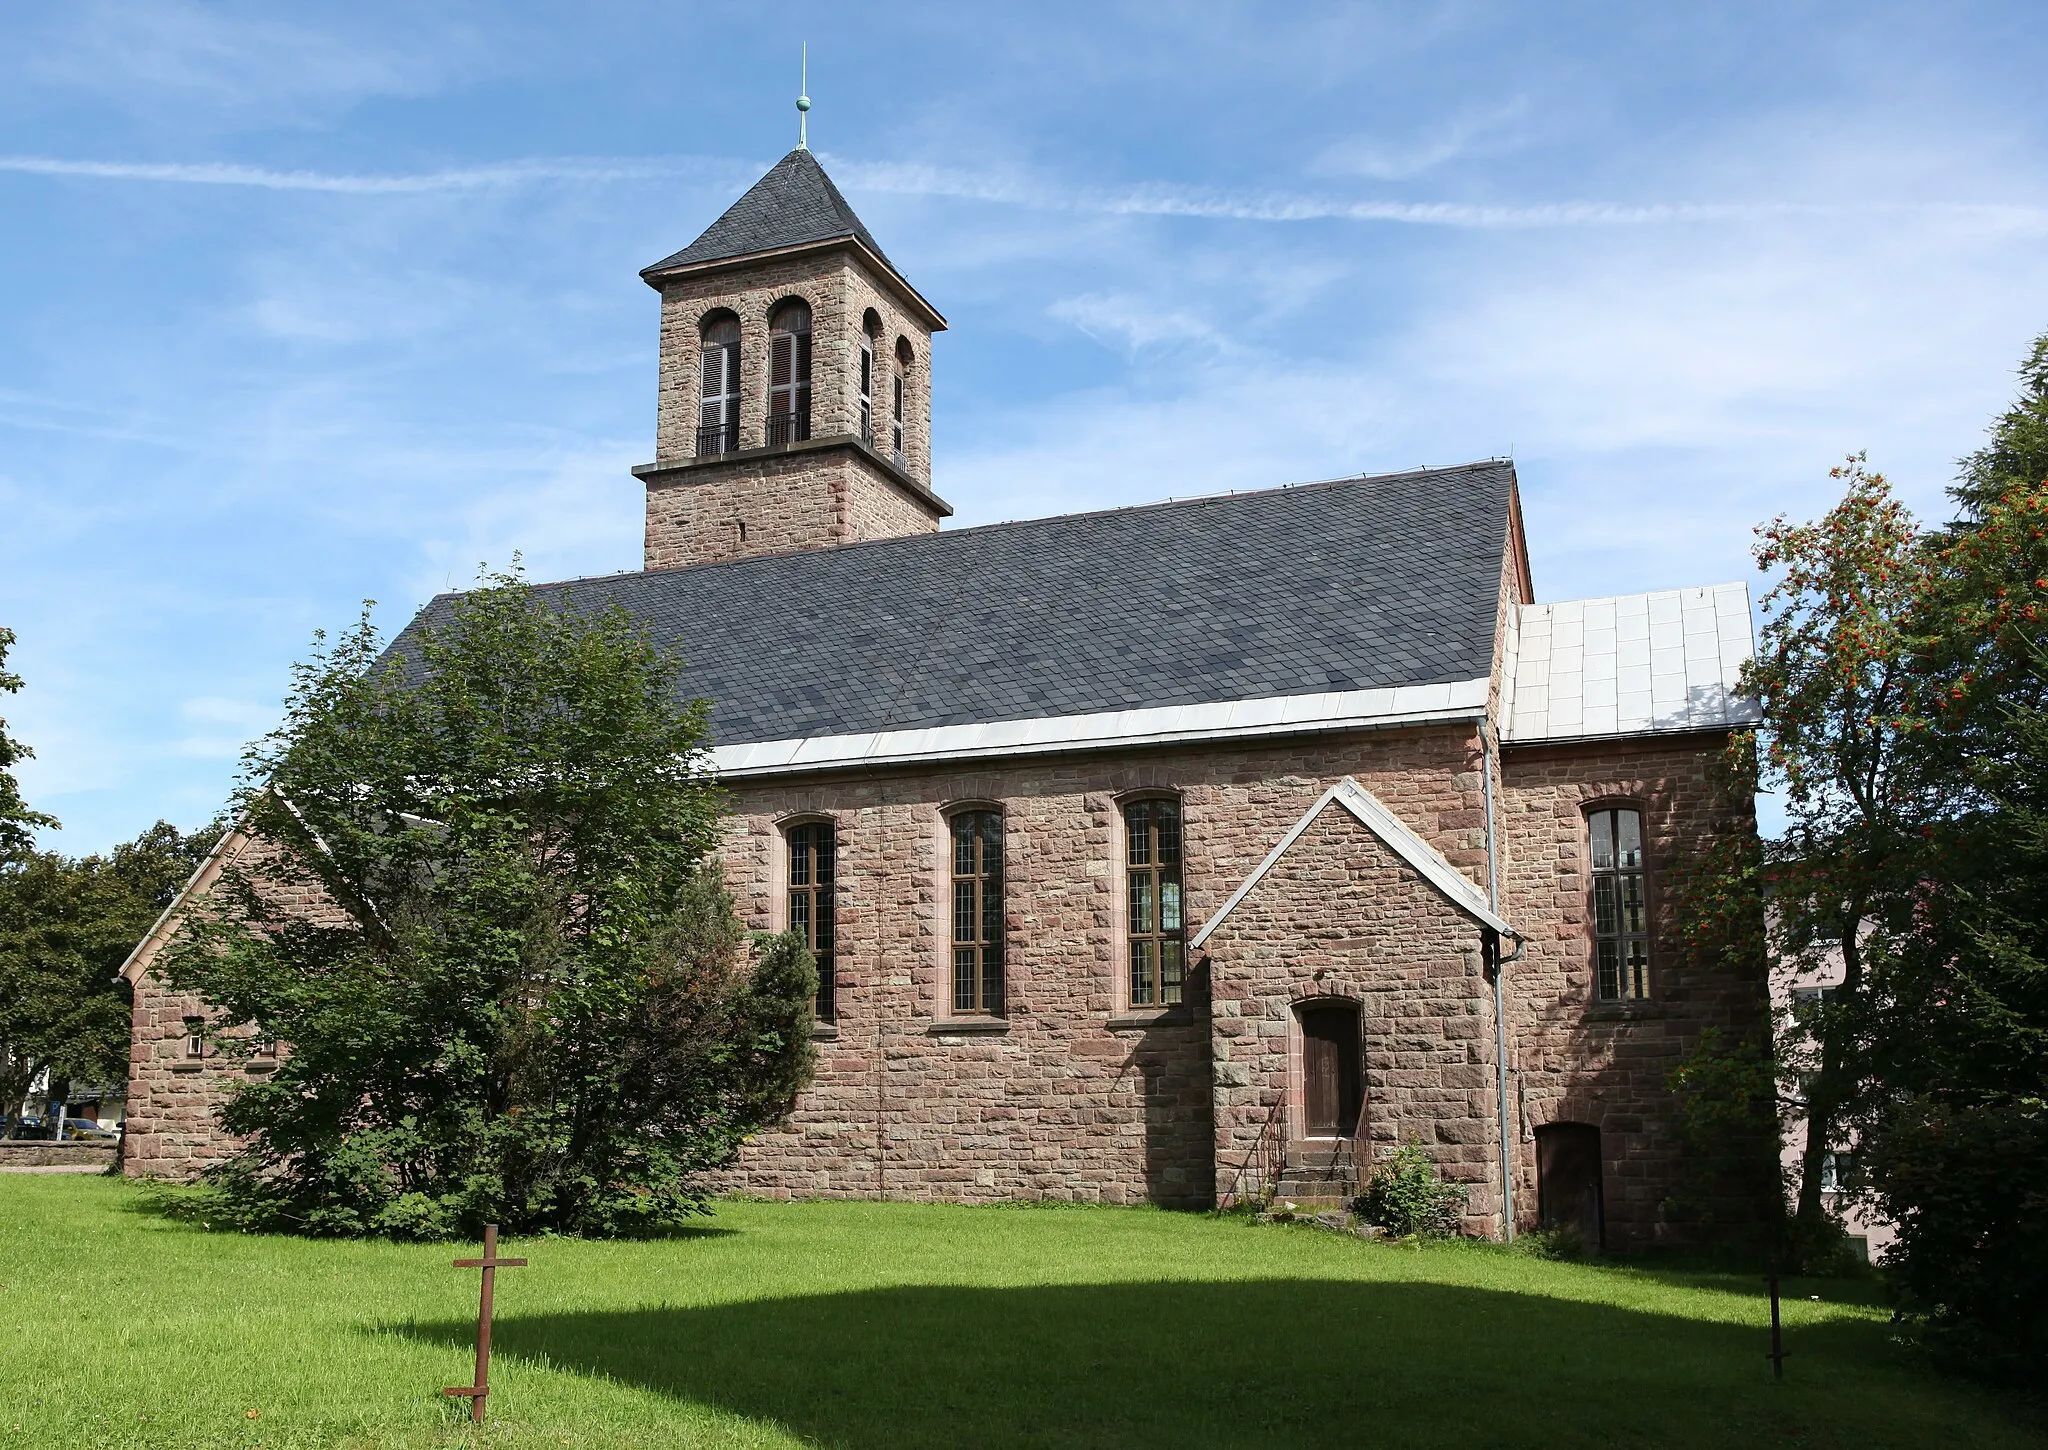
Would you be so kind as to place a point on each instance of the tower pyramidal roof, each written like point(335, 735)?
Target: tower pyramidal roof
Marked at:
point(794, 205)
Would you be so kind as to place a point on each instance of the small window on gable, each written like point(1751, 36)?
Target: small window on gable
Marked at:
point(813, 853)
point(977, 848)
point(718, 415)
point(1152, 881)
point(195, 1037)
point(789, 373)
point(1621, 916)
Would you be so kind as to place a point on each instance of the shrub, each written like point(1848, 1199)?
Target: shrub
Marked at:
point(1407, 1198)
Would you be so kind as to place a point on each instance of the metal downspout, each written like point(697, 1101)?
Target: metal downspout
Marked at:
point(1500, 1022)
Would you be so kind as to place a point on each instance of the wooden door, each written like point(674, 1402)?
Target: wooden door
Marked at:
point(1331, 1090)
point(1568, 1187)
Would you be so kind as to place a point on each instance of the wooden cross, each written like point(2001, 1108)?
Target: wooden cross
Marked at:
point(490, 1263)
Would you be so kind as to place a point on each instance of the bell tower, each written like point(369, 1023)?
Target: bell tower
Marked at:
point(795, 386)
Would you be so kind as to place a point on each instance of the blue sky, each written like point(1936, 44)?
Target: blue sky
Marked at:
point(315, 303)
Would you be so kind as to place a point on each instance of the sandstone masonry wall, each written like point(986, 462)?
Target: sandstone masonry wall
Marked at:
point(1075, 1094)
point(1577, 1059)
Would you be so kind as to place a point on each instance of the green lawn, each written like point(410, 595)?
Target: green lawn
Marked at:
point(892, 1326)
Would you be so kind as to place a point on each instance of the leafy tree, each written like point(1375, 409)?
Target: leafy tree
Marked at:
point(65, 928)
point(1841, 697)
point(1956, 1146)
point(18, 823)
point(525, 997)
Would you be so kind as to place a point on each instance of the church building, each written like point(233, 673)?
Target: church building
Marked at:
point(1189, 853)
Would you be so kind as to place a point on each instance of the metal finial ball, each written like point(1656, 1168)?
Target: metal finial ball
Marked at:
point(803, 103)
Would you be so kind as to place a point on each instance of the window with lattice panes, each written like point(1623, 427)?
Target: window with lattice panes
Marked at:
point(977, 848)
point(813, 848)
point(1621, 912)
point(1155, 936)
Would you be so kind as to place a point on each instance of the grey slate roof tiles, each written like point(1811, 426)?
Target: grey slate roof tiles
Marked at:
point(1389, 580)
point(793, 204)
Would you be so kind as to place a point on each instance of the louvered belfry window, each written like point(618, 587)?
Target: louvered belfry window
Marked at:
point(813, 848)
point(789, 373)
point(1621, 914)
point(718, 416)
point(977, 912)
point(867, 391)
point(896, 420)
point(1152, 885)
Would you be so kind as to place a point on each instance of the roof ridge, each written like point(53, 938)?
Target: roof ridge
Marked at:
point(1048, 519)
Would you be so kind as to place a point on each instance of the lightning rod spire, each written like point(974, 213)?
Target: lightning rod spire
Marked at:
point(803, 103)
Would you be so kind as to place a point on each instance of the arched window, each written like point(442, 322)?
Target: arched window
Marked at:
point(1621, 914)
point(903, 356)
point(718, 417)
point(977, 912)
point(1153, 924)
point(813, 852)
point(870, 326)
point(789, 373)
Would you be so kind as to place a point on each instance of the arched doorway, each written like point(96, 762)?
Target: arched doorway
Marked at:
point(1332, 1090)
point(1568, 1188)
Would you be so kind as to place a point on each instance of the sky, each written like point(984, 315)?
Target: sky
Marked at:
point(306, 305)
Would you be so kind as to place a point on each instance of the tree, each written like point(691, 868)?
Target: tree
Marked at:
point(1841, 698)
point(66, 926)
point(525, 997)
point(18, 823)
point(1956, 1146)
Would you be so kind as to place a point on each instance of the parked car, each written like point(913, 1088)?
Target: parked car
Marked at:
point(85, 1130)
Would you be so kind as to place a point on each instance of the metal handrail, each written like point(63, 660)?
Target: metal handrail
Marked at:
point(716, 438)
point(1267, 1160)
point(789, 427)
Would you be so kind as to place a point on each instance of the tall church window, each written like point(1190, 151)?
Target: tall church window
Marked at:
point(870, 325)
point(789, 373)
point(1153, 923)
point(813, 852)
point(977, 842)
point(896, 401)
point(1621, 916)
point(718, 416)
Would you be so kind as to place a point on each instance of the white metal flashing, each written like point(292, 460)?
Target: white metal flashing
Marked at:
point(1112, 729)
point(1636, 664)
point(1450, 882)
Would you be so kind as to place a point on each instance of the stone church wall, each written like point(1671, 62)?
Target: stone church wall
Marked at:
point(1075, 1094)
point(810, 497)
point(172, 1129)
point(1606, 1064)
point(1340, 918)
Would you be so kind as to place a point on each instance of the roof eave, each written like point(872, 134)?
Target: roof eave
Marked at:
point(660, 273)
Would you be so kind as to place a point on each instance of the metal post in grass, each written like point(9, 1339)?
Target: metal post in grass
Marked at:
point(490, 1263)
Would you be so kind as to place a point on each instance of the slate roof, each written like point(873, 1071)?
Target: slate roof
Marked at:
point(1352, 585)
point(793, 204)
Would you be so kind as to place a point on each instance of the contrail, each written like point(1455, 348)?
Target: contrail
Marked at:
point(1144, 200)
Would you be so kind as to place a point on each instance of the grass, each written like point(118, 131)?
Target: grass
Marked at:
point(896, 1327)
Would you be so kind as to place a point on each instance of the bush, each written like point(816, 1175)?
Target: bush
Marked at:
point(1407, 1198)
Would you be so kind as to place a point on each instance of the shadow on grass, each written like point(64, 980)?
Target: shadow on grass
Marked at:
point(1284, 1362)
